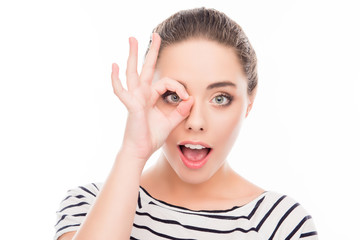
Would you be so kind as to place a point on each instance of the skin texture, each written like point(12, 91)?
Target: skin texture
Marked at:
point(196, 64)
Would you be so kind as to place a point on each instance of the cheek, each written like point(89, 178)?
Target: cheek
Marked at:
point(227, 125)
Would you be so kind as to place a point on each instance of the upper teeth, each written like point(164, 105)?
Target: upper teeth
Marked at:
point(194, 146)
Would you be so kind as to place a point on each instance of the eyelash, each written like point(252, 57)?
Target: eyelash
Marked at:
point(166, 94)
point(229, 98)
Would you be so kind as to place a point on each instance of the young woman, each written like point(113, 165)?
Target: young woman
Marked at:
point(196, 88)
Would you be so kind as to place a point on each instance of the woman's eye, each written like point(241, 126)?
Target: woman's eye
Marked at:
point(171, 97)
point(222, 100)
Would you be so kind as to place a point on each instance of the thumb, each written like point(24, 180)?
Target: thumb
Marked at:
point(181, 112)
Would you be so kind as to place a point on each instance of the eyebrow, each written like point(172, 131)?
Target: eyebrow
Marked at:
point(221, 84)
point(215, 85)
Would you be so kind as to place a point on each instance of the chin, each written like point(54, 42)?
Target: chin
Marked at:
point(193, 178)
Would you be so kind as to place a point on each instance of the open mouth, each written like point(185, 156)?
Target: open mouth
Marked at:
point(194, 156)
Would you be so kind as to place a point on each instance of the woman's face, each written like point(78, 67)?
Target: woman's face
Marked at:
point(212, 74)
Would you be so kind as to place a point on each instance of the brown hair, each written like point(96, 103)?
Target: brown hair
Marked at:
point(213, 25)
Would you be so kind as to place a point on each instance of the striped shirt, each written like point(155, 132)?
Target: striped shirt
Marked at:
point(270, 216)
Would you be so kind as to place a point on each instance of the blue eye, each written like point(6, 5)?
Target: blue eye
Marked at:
point(171, 97)
point(222, 99)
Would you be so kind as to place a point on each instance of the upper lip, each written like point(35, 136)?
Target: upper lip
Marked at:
point(195, 143)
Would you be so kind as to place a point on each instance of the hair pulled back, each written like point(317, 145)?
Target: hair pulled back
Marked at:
point(210, 24)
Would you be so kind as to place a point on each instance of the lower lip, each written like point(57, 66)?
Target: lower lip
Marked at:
point(194, 164)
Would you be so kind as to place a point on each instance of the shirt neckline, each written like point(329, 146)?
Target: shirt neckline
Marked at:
point(176, 207)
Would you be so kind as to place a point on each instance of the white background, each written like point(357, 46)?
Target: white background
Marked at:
point(61, 125)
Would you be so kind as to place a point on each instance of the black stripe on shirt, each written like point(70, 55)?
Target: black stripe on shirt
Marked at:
point(95, 186)
point(67, 226)
point(298, 227)
point(270, 211)
point(87, 190)
point(139, 201)
point(187, 209)
point(282, 220)
point(62, 217)
point(79, 215)
point(257, 228)
point(308, 234)
point(75, 215)
point(200, 229)
point(160, 234)
point(223, 217)
point(74, 205)
point(77, 196)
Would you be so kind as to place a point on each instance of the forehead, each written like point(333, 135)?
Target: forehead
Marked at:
point(199, 60)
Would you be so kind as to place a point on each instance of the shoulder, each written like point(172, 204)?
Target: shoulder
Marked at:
point(74, 207)
point(80, 196)
point(88, 191)
point(286, 218)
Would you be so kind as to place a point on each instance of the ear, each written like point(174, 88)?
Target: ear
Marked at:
point(251, 99)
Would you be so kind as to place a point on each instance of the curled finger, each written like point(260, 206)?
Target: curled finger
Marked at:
point(181, 112)
point(167, 84)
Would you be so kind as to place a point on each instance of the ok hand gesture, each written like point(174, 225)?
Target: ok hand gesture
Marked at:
point(147, 127)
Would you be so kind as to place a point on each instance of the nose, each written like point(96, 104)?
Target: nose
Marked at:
point(196, 120)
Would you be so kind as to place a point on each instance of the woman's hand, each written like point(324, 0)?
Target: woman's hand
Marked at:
point(147, 127)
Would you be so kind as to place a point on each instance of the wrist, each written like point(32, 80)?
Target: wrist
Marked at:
point(138, 151)
point(130, 158)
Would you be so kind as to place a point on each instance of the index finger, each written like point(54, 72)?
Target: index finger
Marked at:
point(166, 84)
point(148, 68)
